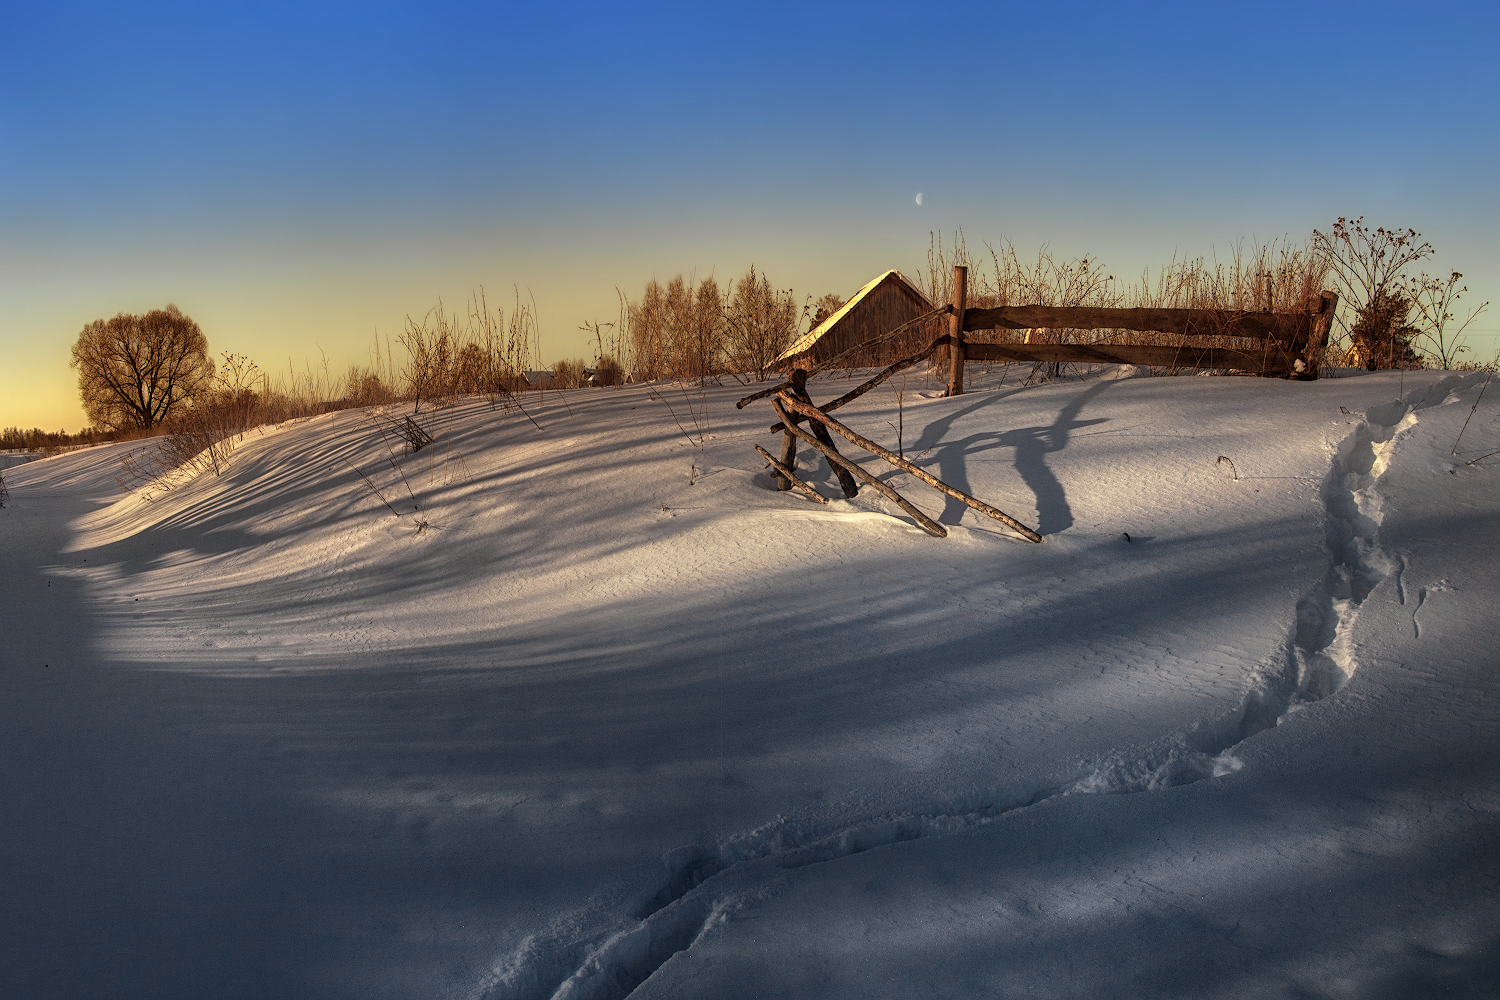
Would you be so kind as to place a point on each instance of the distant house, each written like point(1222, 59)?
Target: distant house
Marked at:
point(879, 307)
point(539, 380)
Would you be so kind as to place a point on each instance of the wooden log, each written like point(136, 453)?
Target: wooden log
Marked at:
point(798, 391)
point(901, 365)
point(1272, 361)
point(1284, 328)
point(762, 394)
point(905, 466)
point(789, 476)
point(837, 460)
point(788, 459)
point(956, 331)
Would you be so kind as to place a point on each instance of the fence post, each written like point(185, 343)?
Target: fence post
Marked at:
point(1317, 344)
point(956, 332)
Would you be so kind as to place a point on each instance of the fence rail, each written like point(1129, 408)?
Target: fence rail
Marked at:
point(1290, 328)
point(1271, 361)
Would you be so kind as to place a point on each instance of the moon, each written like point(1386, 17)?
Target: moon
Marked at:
point(919, 197)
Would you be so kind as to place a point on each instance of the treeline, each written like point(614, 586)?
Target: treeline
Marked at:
point(36, 439)
point(697, 330)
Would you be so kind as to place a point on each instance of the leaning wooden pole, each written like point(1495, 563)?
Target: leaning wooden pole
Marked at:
point(956, 331)
point(791, 477)
point(798, 391)
point(813, 413)
point(839, 461)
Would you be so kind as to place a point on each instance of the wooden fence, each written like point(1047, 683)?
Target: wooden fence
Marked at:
point(1286, 344)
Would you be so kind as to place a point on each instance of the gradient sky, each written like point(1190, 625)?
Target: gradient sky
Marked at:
point(299, 177)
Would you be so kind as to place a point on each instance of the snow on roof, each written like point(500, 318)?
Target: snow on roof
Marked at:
point(807, 340)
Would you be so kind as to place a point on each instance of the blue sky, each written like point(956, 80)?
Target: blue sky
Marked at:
point(300, 177)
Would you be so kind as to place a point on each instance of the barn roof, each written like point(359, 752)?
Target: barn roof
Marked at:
point(811, 337)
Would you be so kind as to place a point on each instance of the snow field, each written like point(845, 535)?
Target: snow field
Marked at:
point(608, 721)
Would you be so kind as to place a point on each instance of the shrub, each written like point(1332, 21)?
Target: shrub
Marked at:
point(607, 371)
point(569, 374)
point(1368, 267)
point(1434, 300)
point(484, 353)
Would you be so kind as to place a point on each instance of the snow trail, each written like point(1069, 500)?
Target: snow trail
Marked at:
point(1319, 657)
point(705, 885)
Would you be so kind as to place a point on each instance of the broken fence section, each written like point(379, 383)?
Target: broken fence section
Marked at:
point(793, 406)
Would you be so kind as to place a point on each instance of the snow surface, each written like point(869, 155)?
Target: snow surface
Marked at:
point(622, 718)
point(10, 458)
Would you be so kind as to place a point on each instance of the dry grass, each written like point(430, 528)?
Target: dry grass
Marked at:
point(484, 353)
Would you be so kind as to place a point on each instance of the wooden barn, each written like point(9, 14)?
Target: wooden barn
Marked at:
point(879, 307)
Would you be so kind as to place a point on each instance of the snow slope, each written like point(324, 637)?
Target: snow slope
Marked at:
point(620, 717)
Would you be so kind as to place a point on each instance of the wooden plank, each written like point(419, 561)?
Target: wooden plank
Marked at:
point(1312, 352)
point(839, 461)
point(1269, 361)
point(1324, 322)
point(812, 414)
point(1287, 328)
point(785, 474)
point(956, 331)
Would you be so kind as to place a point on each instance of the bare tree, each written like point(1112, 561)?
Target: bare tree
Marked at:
point(678, 330)
point(136, 371)
point(759, 323)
